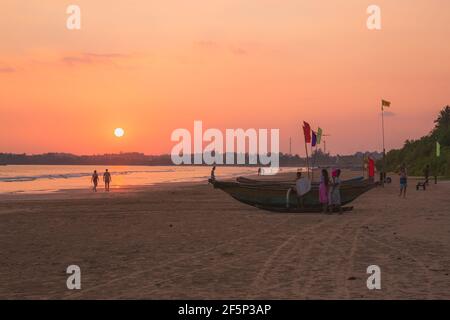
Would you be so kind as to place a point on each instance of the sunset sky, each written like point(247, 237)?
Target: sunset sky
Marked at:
point(151, 67)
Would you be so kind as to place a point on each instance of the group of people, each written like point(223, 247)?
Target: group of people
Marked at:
point(404, 178)
point(329, 190)
point(106, 179)
point(403, 174)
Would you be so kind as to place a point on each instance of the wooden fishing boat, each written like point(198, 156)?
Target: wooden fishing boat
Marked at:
point(291, 182)
point(260, 182)
point(281, 197)
point(303, 210)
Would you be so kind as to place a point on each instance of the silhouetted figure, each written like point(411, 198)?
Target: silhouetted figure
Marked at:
point(107, 179)
point(403, 181)
point(335, 194)
point(213, 174)
point(94, 180)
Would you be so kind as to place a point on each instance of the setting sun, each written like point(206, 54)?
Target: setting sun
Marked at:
point(119, 132)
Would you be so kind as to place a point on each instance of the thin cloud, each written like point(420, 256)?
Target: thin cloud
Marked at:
point(206, 44)
point(210, 44)
point(238, 51)
point(105, 55)
point(92, 58)
point(7, 70)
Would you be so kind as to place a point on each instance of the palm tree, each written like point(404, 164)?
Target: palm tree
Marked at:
point(443, 120)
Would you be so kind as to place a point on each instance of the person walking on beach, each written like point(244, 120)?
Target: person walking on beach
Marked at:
point(94, 180)
point(324, 189)
point(335, 194)
point(403, 180)
point(107, 179)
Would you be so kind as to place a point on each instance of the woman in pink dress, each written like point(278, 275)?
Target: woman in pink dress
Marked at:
point(324, 189)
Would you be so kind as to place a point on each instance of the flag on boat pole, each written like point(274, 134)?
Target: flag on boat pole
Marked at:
point(313, 154)
point(313, 139)
point(385, 103)
point(319, 135)
point(307, 132)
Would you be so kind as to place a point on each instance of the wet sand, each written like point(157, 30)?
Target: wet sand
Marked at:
point(178, 241)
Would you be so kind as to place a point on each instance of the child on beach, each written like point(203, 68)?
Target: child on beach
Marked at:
point(403, 180)
point(324, 189)
point(335, 194)
point(95, 180)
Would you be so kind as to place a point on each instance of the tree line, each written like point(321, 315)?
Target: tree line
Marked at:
point(417, 154)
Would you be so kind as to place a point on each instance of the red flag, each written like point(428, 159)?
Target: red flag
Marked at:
point(307, 132)
point(371, 168)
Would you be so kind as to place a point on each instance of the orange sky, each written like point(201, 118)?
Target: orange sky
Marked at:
point(155, 66)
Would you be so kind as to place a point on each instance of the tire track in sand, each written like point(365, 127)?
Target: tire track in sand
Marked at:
point(319, 254)
point(277, 261)
point(404, 252)
point(187, 257)
point(270, 259)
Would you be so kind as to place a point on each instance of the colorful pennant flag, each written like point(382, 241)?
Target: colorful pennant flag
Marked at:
point(438, 149)
point(314, 139)
point(319, 135)
point(307, 132)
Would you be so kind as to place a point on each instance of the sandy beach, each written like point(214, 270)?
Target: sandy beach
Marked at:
point(189, 241)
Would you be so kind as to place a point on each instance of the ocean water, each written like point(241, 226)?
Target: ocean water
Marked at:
point(50, 178)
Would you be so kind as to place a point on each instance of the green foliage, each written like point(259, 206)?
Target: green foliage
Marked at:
point(416, 154)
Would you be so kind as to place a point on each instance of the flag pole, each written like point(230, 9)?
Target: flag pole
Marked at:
point(314, 162)
point(306, 147)
point(383, 173)
point(307, 157)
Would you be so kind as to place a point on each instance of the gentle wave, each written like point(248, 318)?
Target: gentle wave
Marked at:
point(71, 175)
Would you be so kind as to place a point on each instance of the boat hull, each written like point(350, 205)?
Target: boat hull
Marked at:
point(286, 183)
point(278, 197)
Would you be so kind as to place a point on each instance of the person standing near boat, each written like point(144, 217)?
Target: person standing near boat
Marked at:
point(107, 179)
point(94, 180)
point(213, 174)
point(324, 189)
point(335, 194)
point(302, 186)
point(403, 180)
